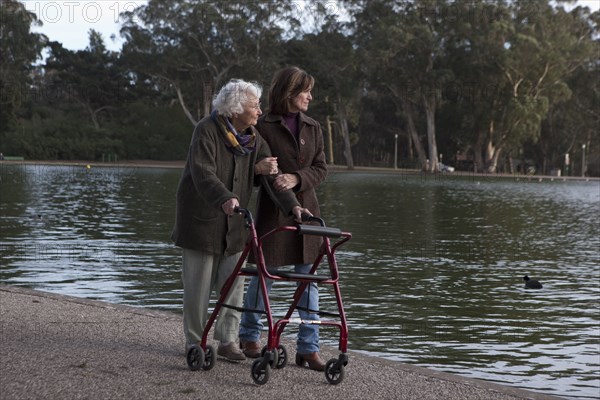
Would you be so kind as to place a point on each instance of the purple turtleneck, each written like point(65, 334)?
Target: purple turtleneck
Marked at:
point(291, 121)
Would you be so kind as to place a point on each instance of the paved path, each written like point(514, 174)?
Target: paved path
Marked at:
point(61, 347)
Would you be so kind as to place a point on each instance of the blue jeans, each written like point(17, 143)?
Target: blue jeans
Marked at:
point(308, 335)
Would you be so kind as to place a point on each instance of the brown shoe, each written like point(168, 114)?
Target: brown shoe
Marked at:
point(230, 352)
point(313, 359)
point(250, 349)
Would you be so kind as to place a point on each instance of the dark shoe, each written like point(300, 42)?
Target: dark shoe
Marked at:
point(313, 359)
point(250, 349)
point(230, 352)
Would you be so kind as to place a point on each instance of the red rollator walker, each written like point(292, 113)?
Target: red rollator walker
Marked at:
point(274, 354)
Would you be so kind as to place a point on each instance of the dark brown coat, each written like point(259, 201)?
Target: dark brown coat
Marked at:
point(306, 158)
point(211, 176)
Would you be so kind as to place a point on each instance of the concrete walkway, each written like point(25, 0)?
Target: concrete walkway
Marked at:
point(60, 347)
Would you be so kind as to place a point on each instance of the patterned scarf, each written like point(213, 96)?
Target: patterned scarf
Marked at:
point(240, 145)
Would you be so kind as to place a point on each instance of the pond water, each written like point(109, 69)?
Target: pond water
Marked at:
point(433, 275)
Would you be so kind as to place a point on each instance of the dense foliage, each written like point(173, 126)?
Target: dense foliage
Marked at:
point(489, 85)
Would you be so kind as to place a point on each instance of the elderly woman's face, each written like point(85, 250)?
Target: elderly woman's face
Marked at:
point(251, 112)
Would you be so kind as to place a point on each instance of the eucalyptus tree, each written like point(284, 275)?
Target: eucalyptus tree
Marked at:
point(190, 48)
point(20, 48)
point(475, 46)
point(572, 126)
point(382, 42)
point(531, 48)
point(403, 49)
point(77, 99)
point(92, 77)
point(573, 122)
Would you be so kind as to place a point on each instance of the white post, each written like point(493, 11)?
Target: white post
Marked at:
point(396, 151)
point(583, 160)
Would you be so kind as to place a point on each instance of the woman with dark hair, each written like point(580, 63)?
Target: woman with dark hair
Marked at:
point(297, 142)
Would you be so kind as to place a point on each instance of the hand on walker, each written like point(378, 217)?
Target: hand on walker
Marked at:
point(266, 166)
point(230, 205)
point(298, 211)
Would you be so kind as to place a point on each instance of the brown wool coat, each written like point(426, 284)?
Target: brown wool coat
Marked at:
point(211, 176)
point(305, 158)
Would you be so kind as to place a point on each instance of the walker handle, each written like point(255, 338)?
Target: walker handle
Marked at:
point(247, 214)
point(319, 231)
point(310, 218)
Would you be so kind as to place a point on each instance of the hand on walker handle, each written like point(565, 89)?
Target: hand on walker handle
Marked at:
point(230, 205)
point(301, 213)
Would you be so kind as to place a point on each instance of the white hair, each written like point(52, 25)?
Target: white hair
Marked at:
point(234, 95)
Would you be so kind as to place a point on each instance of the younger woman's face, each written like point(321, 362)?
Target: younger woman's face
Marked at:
point(301, 101)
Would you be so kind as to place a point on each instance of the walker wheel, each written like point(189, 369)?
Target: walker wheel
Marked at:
point(209, 358)
point(275, 357)
point(260, 372)
point(334, 371)
point(195, 357)
point(282, 357)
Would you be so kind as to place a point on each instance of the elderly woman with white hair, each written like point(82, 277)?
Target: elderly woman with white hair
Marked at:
point(225, 154)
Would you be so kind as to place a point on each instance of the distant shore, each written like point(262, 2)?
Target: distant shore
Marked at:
point(84, 163)
point(332, 168)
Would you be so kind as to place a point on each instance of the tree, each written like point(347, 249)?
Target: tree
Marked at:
point(495, 78)
point(91, 78)
point(575, 120)
point(192, 48)
point(537, 49)
point(19, 50)
point(79, 96)
point(474, 47)
point(402, 45)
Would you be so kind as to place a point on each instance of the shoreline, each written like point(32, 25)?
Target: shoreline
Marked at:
point(58, 346)
point(179, 164)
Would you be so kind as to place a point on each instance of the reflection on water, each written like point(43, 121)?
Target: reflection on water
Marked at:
point(432, 276)
point(99, 232)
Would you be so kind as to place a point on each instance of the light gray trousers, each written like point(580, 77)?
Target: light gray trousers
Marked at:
point(202, 274)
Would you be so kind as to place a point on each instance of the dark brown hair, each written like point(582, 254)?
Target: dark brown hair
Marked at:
point(287, 84)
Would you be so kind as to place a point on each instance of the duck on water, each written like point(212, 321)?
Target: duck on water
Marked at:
point(531, 283)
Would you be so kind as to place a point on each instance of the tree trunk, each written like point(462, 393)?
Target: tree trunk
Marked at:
point(511, 164)
point(330, 157)
point(477, 151)
point(414, 136)
point(493, 161)
point(489, 154)
point(93, 115)
point(341, 112)
point(207, 98)
point(411, 154)
point(492, 151)
point(431, 140)
point(187, 112)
